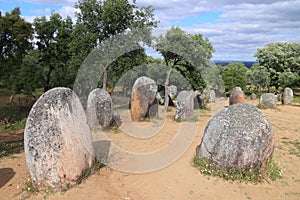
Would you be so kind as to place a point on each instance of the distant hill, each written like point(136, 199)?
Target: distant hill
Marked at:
point(248, 64)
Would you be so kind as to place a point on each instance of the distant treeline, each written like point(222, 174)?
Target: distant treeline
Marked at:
point(248, 64)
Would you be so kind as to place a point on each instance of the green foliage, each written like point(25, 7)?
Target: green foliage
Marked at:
point(258, 76)
point(288, 79)
point(15, 41)
point(234, 75)
point(188, 54)
point(257, 175)
point(279, 57)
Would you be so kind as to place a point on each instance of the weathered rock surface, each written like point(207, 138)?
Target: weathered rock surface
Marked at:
point(236, 96)
point(172, 91)
point(268, 100)
point(143, 98)
point(199, 101)
point(253, 96)
point(287, 96)
point(185, 105)
point(212, 96)
point(238, 137)
point(57, 140)
point(99, 109)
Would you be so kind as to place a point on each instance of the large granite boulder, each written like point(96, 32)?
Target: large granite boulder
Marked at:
point(268, 100)
point(287, 96)
point(143, 98)
point(238, 137)
point(172, 91)
point(185, 105)
point(57, 140)
point(236, 96)
point(100, 112)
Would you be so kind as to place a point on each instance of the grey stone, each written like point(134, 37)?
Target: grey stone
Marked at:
point(99, 109)
point(185, 105)
point(212, 96)
point(199, 101)
point(143, 99)
point(268, 100)
point(159, 98)
point(238, 137)
point(57, 140)
point(116, 119)
point(236, 96)
point(172, 91)
point(253, 96)
point(287, 96)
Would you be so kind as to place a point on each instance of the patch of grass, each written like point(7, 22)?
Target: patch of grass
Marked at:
point(17, 125)
point(11, 147)
point(192, 119)
point(296, 99)
point(294, 147)
point(96, 166)
point(271, 171)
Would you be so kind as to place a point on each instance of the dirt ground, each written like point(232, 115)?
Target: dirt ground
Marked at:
point(180, 180)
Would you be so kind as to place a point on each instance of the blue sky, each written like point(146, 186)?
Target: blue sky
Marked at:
point(235, 28)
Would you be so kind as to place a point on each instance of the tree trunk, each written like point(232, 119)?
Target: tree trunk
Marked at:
point(46, 85)
point(104, 77)
point(167, 89)
point(11, 99)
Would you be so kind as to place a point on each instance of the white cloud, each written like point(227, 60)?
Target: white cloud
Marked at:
point(242, 27)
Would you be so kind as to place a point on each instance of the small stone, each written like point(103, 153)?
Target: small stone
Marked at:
point(236, 96)
point(99, 109)
point(268, 100)
point(185, 105)
point(287, 96)
point(143, 99)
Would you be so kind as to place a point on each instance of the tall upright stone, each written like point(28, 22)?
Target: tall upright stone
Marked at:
point(57, 140)
point(236, 96)
point(172, 91)
point(268, 100)
point(212, 96)
point(143, 99)
point(287, 96)
point(185, 105)
point(99, 109)
point(238, 137)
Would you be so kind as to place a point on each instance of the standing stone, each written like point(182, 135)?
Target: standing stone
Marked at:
point(57, 140)
point(143, 98)
point(199, 101)
point(268, 100)
point(206, 94)
point(185, 105)
point(238, 137)
point(172, 91)
point(212, 96)
point(253, 96)
point(236, 96)
point(287, 96)
point(99, 109)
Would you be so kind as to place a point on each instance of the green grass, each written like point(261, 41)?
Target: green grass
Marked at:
point(296, 99)
point(11, 148)
point(294, 147)
point(257, 175)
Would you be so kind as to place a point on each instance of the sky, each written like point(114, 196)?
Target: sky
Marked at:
point(235, 28)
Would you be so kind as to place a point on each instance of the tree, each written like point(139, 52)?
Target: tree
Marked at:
point(188, 54)
point(54, 38)
point(279, 57)
point(101, 20)
point(288, 79)
point(15, 42)
point(234, 75)
point(258, 76)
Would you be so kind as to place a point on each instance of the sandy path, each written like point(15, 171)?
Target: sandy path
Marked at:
point(179, 180)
